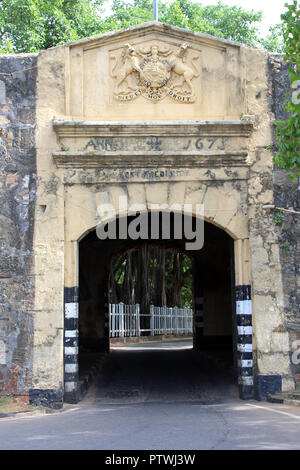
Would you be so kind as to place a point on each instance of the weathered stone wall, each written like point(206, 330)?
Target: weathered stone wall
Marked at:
point(270, 340)
point(17, 198)
point(286, 195)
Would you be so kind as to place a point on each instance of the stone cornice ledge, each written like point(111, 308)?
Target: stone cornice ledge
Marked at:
point(155, 128)
point(167, 159)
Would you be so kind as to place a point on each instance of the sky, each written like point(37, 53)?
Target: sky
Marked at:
point(272, 9)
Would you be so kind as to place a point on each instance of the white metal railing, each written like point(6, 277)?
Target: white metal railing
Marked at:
point(170, 320)
point(126, 320)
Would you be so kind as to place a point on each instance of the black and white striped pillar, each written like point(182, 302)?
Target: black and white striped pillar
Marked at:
point(71, 345)
point(106, 322)
point(244, 341)
point(199, 318)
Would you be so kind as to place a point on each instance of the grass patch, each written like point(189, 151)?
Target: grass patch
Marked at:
point(15, 404)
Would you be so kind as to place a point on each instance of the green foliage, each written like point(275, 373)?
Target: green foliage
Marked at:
point(173, 271)
point(285, 246)
point(219, 20)
point(288, 130)
point(274, 40)
point(32, 25)
point(278, 218)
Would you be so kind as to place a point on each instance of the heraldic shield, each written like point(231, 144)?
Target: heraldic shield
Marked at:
point(155, 72)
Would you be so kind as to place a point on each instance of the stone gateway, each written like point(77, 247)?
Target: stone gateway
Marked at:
point(162, 116)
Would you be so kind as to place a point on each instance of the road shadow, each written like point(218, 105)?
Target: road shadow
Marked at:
point(163, 372)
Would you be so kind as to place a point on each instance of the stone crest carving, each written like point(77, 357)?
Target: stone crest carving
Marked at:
point(154, 73)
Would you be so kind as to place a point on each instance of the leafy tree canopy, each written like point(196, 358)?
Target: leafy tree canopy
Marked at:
point(219, 20)
point(32, 25)
point(288, 130)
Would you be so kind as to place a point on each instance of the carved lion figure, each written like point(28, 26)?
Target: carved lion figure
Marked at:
point(130, 64)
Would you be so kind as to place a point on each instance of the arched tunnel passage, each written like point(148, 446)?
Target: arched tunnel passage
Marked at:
point(150, 293)
point(214, 341)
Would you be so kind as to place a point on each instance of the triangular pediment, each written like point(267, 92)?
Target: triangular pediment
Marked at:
point(154, 71)
point(153, 27)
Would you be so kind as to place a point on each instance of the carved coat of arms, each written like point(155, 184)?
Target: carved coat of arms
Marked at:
point(154, 73)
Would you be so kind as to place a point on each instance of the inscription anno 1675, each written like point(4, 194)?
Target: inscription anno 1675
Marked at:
point(150, 144)
point(154, 73)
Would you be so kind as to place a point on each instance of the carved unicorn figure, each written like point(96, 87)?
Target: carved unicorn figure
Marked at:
point(177, 65)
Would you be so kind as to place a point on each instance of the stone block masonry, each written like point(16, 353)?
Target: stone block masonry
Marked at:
point(18, 76)
point(287, 195)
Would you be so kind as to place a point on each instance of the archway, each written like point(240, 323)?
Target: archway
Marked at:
point(222, 320)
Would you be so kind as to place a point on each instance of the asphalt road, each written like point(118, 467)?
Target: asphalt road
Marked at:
point(159, 396)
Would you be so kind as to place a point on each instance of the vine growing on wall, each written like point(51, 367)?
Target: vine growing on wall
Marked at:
point(288, 130)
